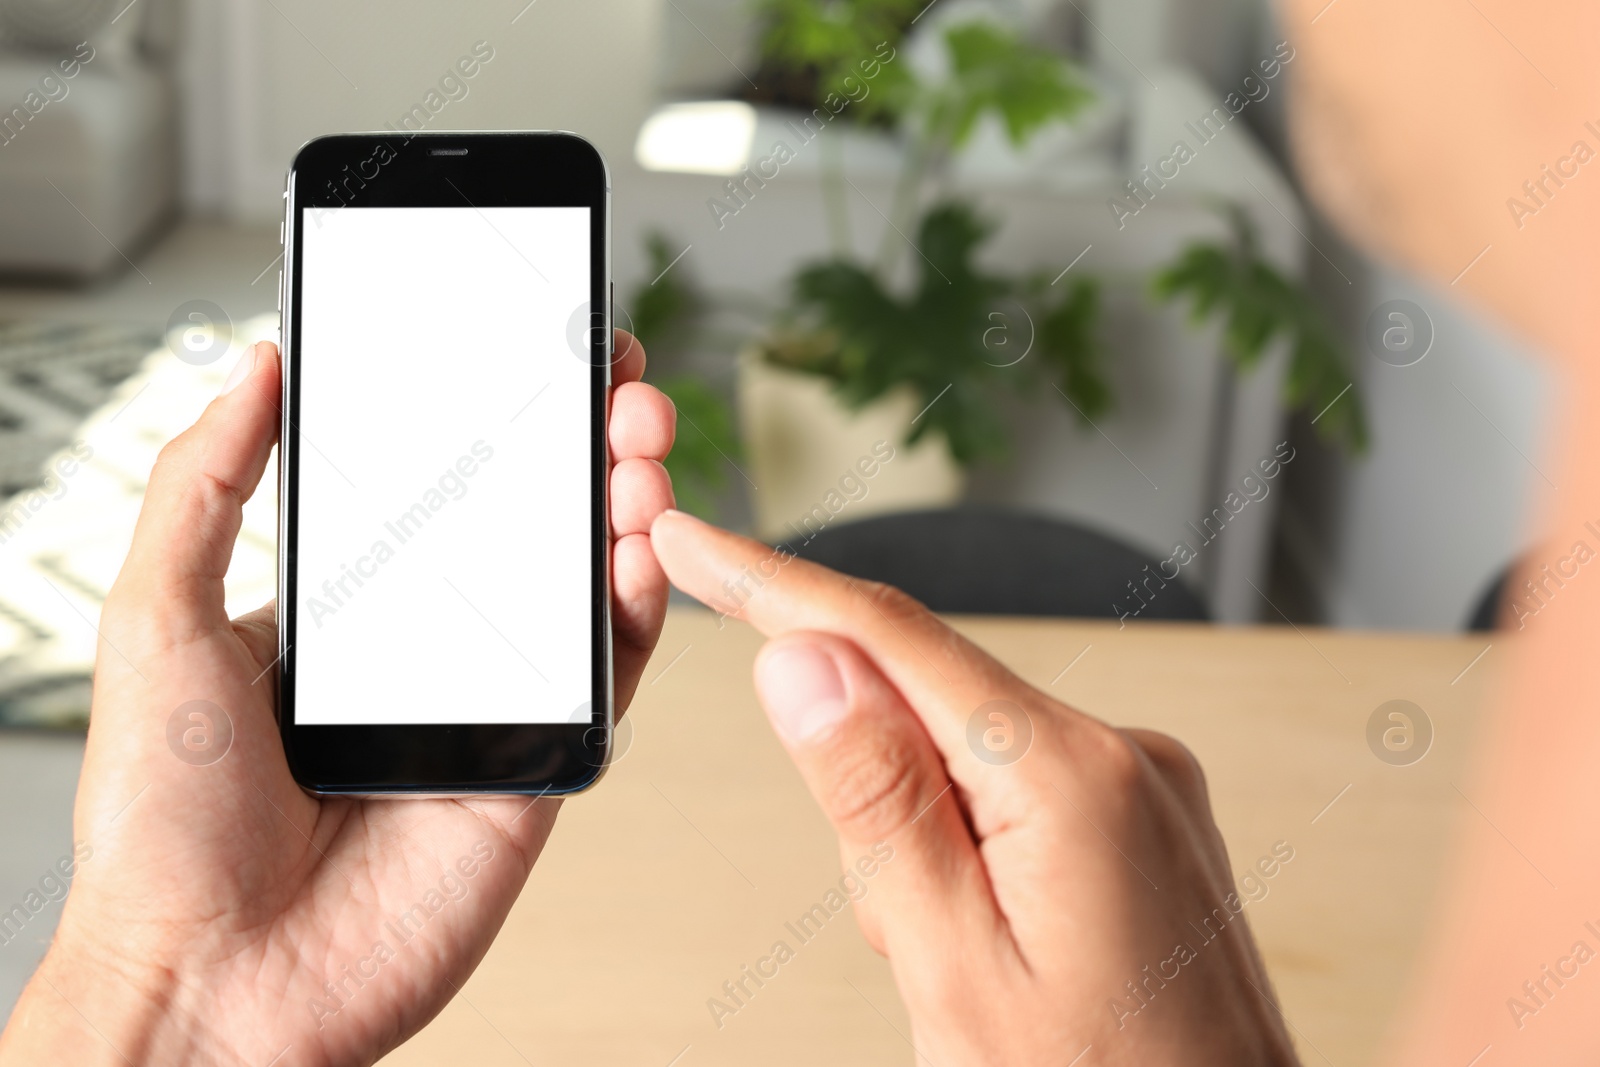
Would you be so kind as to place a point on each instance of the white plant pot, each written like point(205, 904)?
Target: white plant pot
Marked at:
point(809, 456)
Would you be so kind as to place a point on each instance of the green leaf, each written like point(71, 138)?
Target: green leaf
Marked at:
point(1258, 305)
point(1068, 342)
point(1204, 272)
point(995, 71)
point(848, 46)
point(666, 316)
point(939, 339)
point(706, 445)
point(663, 315)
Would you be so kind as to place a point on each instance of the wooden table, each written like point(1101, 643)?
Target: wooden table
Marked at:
point(687, 861)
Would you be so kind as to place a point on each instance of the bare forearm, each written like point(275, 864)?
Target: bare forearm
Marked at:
point(1519, 915)
point(1510, 963)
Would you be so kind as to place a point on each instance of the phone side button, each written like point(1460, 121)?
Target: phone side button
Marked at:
point(280, 292)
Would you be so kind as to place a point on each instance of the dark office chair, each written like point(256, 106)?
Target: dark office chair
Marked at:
point(1487, 610)
point(1486, 613)
point(990, 562)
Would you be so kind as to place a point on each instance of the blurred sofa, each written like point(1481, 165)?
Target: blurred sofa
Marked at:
point(88, 150)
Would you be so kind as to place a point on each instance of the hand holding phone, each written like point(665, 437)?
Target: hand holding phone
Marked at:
point(218, 912)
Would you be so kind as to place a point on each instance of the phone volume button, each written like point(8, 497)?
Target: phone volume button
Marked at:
point(280, 292)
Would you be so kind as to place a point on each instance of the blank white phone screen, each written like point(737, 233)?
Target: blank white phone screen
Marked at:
point(444, 550)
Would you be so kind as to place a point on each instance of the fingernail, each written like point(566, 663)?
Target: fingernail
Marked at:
point(802, 691)
point(241, 370)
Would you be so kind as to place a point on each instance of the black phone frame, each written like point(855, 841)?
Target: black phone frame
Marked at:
point(407, 169)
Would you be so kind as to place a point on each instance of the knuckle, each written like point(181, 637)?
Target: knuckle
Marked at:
point(1118, 761)
point(173, 454)
point(1112, 784)
point(211, 506)
point(877, 789)
point(893, 602)
point(1174, 759)
point(1181, 758)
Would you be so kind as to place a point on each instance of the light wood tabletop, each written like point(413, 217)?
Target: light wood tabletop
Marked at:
point(686, 862)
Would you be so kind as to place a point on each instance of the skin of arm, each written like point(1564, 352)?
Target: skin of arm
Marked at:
point(1417, 127)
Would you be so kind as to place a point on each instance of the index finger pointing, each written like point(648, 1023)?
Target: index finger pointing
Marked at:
point(943, 676)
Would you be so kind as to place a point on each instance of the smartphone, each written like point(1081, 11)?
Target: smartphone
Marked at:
point(443, 581)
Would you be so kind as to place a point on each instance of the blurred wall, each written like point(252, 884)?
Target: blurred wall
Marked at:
point(1410, 536)
point(263, 76)
point(1217, 38)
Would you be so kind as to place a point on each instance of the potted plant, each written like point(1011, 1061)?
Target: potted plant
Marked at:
point(917, 344)
point(910, 345)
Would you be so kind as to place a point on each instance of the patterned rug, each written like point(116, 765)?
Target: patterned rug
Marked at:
point(83, 412)
point(52, 377)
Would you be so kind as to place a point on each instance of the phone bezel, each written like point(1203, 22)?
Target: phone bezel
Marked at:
point(405, 169)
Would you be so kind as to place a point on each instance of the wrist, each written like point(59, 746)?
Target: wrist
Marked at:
point(85, 1007)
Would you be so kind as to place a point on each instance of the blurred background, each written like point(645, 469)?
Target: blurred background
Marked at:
point(1042, 267)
